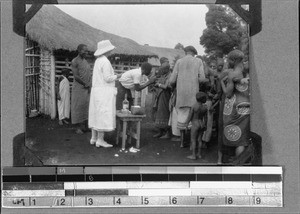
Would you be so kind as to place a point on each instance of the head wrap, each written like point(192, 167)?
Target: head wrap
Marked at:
point(201, 97)
point(80, 47)
point(163, 60)
point(190, 49)
point(236, 55)
point(220, 61)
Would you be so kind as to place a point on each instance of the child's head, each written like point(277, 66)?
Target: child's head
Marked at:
point(65, 72)
point(213, 65)
point(146, 68)
point(165, 65)
point(220, 64)
point(235, 57)
point(201, 97)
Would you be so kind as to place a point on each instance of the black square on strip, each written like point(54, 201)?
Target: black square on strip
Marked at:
point(236, 177)
point(155, 177)
point(104, 177)
point(69, 192)
point(43, 178)
point(70, 178)
point(15, 178)
point(182, 177)
point(126, 177)
point(209, 177)
point(266, 178)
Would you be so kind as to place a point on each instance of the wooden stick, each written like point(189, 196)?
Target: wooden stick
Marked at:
point(214, 105)
point(52, 83)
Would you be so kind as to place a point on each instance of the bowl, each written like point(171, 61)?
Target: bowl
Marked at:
point(137, 110)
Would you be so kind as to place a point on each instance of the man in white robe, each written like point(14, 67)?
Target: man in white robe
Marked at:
point(187, 74)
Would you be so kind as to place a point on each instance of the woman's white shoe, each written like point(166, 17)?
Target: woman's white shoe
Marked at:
point(103, 144)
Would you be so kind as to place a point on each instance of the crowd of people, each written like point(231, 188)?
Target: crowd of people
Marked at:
point(202, 97)
point(195, 96)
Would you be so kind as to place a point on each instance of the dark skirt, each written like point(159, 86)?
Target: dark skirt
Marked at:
point(220, 123)
point(163, 112)
point(236, 117)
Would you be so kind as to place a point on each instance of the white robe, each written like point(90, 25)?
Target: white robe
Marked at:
point(102, 108)
point(63, 104)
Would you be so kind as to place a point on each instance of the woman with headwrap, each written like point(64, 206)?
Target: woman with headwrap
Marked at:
point(162, 100)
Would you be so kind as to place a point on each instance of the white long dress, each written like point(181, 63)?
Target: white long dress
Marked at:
point(63, 104)
point(102, 108)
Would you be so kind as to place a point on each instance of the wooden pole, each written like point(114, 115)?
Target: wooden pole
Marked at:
point(52, 84)
point(136, 96)
point(42, 72)
point(143, 97)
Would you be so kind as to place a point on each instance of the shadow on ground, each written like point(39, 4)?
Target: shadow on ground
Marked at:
point(59, 145)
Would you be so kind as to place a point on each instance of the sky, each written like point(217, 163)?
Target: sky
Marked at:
point(156, 25)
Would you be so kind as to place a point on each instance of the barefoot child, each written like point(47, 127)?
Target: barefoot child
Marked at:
point(197, 117)
point(63, 97)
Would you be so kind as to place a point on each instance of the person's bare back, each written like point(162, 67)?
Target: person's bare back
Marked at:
point(197, 116)
point(199, 110)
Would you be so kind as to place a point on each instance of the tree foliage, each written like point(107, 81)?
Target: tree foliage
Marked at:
point(225, 31)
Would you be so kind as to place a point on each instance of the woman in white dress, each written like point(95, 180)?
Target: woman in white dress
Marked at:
point(102, 108)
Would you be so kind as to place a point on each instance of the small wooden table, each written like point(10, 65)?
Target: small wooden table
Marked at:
point(125, 118)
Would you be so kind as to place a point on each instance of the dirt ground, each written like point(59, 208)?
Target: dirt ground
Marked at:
point(59, 145)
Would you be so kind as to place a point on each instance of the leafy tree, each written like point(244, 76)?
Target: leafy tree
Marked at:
point(225, 31)
point(179, 46)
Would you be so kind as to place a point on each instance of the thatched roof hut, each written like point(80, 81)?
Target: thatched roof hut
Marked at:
point(52, 40)
point(53, 29)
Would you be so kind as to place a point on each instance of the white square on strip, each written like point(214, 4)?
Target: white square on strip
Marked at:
point(159, 192)
point(158, 185)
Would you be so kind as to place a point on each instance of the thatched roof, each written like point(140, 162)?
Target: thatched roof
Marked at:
point(54, 29)
point(170, 53)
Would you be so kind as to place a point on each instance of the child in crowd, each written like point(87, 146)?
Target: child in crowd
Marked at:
point(197, 116)
point(63, 97)
point(209, 119)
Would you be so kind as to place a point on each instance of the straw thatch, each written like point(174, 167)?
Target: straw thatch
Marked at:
point(170, 53)
point(53, 29)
